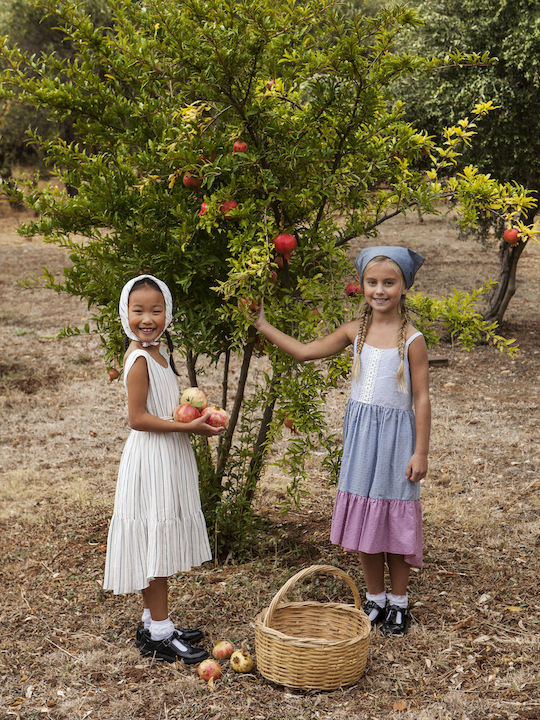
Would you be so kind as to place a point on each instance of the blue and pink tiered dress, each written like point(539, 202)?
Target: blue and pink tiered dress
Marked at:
point(377, 509)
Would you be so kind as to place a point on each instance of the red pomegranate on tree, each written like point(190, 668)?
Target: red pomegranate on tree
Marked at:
point(353, 288)
point(191, 181)
point(511, 235)
point(227, 206)
point(284, 244)
point(239, 146)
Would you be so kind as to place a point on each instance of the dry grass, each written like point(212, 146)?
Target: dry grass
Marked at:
point(67, 649)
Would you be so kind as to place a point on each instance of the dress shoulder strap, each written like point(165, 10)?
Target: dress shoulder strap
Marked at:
point(413, 337)
point(131, 361)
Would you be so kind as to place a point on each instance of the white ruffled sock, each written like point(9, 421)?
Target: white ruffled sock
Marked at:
point(161, 629)
point(146, 618)
point(401, 601)
point(380, 600)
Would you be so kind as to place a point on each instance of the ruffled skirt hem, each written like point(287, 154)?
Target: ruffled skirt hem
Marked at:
point(139, 551)
point(373, 525)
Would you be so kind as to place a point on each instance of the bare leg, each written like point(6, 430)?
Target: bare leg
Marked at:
point(399, 574)
point(155, 599)
point(373, 567)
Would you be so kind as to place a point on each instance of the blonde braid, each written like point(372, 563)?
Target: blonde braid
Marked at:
point(404, 312)
point(365, 317)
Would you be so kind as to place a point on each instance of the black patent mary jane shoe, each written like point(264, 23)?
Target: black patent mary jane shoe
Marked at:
point(186, 635)
point(397, 621)
point(375, 612)
point(171, 649)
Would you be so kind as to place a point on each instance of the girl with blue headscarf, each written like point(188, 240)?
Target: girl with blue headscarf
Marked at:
point(377, 511)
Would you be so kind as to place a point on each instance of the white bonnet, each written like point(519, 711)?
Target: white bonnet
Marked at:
point(123, 305)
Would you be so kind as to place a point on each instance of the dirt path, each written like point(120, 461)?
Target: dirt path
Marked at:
point(67, 649)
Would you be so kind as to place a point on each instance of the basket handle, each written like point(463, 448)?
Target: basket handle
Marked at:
point(311, 570)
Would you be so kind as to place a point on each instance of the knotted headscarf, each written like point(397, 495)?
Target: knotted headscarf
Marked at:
point(123, 307)
point(408, 260)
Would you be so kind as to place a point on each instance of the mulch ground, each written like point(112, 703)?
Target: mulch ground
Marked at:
point(67, 649)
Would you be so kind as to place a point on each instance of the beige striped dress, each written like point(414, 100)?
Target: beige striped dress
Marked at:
point(157, 528)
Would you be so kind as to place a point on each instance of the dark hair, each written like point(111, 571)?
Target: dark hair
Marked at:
point(150, 283)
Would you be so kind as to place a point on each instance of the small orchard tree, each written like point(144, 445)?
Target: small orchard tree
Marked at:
point(508, 145)
point(204, 131)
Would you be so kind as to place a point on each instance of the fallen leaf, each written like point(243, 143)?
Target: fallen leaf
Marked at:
point(462, 623)
point(399, 705)
point(513, 608)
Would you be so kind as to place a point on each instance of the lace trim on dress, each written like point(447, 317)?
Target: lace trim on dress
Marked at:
point(370, 376)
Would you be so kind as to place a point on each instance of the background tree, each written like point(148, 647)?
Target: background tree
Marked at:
point(508, 144)
point(205, 130)
point(28, 26)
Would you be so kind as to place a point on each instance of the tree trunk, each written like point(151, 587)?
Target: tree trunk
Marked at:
point(257, 457)
point(504, 291)
point(225, 442)
point(191, 363)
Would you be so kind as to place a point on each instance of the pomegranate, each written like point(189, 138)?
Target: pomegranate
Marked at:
point(223, 650)
point(241, 661)
point(186, 413)
point(113, 374)
point(209, 670)
point(194, 396)
point(227, 206)
point(191, 182)
point(204, 209)
point(216, 416)
point(239, 146)
point(353, 288)
point(284, 244)
point(511, 235)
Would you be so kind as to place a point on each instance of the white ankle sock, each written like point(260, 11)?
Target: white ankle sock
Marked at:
point(380, 598)
point(146, 618)
point(161, 629)
point(401, 601)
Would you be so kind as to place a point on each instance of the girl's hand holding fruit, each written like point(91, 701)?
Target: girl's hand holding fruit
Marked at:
point(202, 418)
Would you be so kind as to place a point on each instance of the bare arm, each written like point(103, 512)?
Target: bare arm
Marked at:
point(320, 348)
point(141, 419)
point(418, 363)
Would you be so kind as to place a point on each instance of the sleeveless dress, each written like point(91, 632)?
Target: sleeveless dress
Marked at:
point(377, 509)
point(157, 528)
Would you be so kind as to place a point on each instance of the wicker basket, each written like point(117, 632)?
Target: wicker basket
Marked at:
point(312, 645)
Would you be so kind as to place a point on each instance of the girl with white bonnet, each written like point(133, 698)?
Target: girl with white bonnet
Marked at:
point(385, 443)
point(157, 528)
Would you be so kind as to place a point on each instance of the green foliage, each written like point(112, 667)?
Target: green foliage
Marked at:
point(508, 142)
point(508, 145)
point(458, 315)
point(26, 26)
point(165, 89)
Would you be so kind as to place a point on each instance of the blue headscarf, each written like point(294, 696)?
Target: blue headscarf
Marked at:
point(408, 260)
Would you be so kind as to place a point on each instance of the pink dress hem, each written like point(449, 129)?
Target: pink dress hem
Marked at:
point(374, 525)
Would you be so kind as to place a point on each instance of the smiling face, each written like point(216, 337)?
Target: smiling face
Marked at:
point(383, 285)
point(146, 313)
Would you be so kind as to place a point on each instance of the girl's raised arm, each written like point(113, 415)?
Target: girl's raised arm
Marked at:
point(314, 350)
